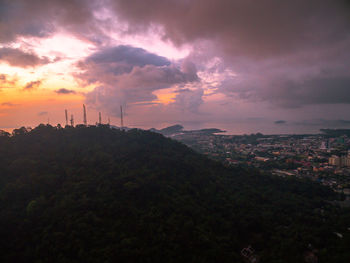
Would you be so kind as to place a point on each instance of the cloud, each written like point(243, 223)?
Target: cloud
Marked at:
point(19, 58)
point(325, 123)
point(321, 90)
point(262, 28)
point(32, 85)
point(280, 122)
point(267, 56)
point(9, 104)
point(287, 53)
point(3, 78)
point(126, 74)
point(279, 50)
point(36, 18)
point(42, 113)
point(65, 91)
point(136, 86)
point(189, 100)
point(127, 55)
point(112, 61)
point(7, 81)
point(288, 92)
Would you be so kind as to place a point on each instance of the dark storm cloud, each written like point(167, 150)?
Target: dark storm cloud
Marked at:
point(288, 53)
point(37, 18)
point(136, 86)
point(288, 92)
point(325, 123)
point(32, 85)
point(17, 20)
point(182, 90)
point(189, 100)
point(119, 60)
point(128, 74)
point(65, 91)
point(256, 28)
point(127, 55)
point(321, 90)
point(19, 58)
point(280, 122)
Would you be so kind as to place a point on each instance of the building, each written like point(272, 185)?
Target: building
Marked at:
point(334, 160)
point(339, 161)
point(324, 145)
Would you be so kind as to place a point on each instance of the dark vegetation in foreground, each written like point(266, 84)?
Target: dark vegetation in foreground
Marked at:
point(103, 195)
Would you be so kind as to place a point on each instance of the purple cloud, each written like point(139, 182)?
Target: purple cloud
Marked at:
point(126, 74)
point(259, 29)
point(127, 55)
point(9, 104)
point(42, 113)
point(65, 91)
point(32, 85)
point(289, 54)
point(5, 80)
point(36, 18)
point(280, 122)
point(19, 58)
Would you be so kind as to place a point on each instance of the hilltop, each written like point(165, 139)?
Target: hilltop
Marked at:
point(179, 129)
point(96, 194)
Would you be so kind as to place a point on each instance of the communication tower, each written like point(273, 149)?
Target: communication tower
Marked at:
point(66, 117)
point(72, 120)
point(121, 118)
point(85, 121)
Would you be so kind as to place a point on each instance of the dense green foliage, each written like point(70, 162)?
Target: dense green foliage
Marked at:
point(103, 195)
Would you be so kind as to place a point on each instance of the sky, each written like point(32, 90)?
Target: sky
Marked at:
point(244, 66)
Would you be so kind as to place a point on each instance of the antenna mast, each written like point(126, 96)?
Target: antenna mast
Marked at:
point(99, 118)
point(85, 121)
point(121, 117)
point(66, 117)
point(72, 120)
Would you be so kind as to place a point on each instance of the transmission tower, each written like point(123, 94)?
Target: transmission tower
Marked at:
point(66, 117)
point(72, 120)
point(85, 121)
point(99, 118)
point(121, 117)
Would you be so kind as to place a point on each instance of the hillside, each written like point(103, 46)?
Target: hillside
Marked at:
point(103, 195)
point(179, 129)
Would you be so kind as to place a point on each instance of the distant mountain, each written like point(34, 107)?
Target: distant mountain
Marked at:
point(96, 194)
point(175, 129)
point(169, 130)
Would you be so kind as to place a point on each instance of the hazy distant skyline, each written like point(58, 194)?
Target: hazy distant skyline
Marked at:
point(245, 66)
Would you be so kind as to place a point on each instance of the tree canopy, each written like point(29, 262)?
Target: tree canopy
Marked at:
point(96, 194)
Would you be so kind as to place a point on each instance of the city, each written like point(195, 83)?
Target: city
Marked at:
point(324, 158)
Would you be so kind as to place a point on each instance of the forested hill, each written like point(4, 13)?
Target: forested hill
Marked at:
point(96, 194)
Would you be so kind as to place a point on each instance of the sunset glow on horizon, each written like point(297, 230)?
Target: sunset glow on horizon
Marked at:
point(177, 63)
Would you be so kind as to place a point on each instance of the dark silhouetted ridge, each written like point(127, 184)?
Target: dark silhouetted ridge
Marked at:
point(96, 194)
